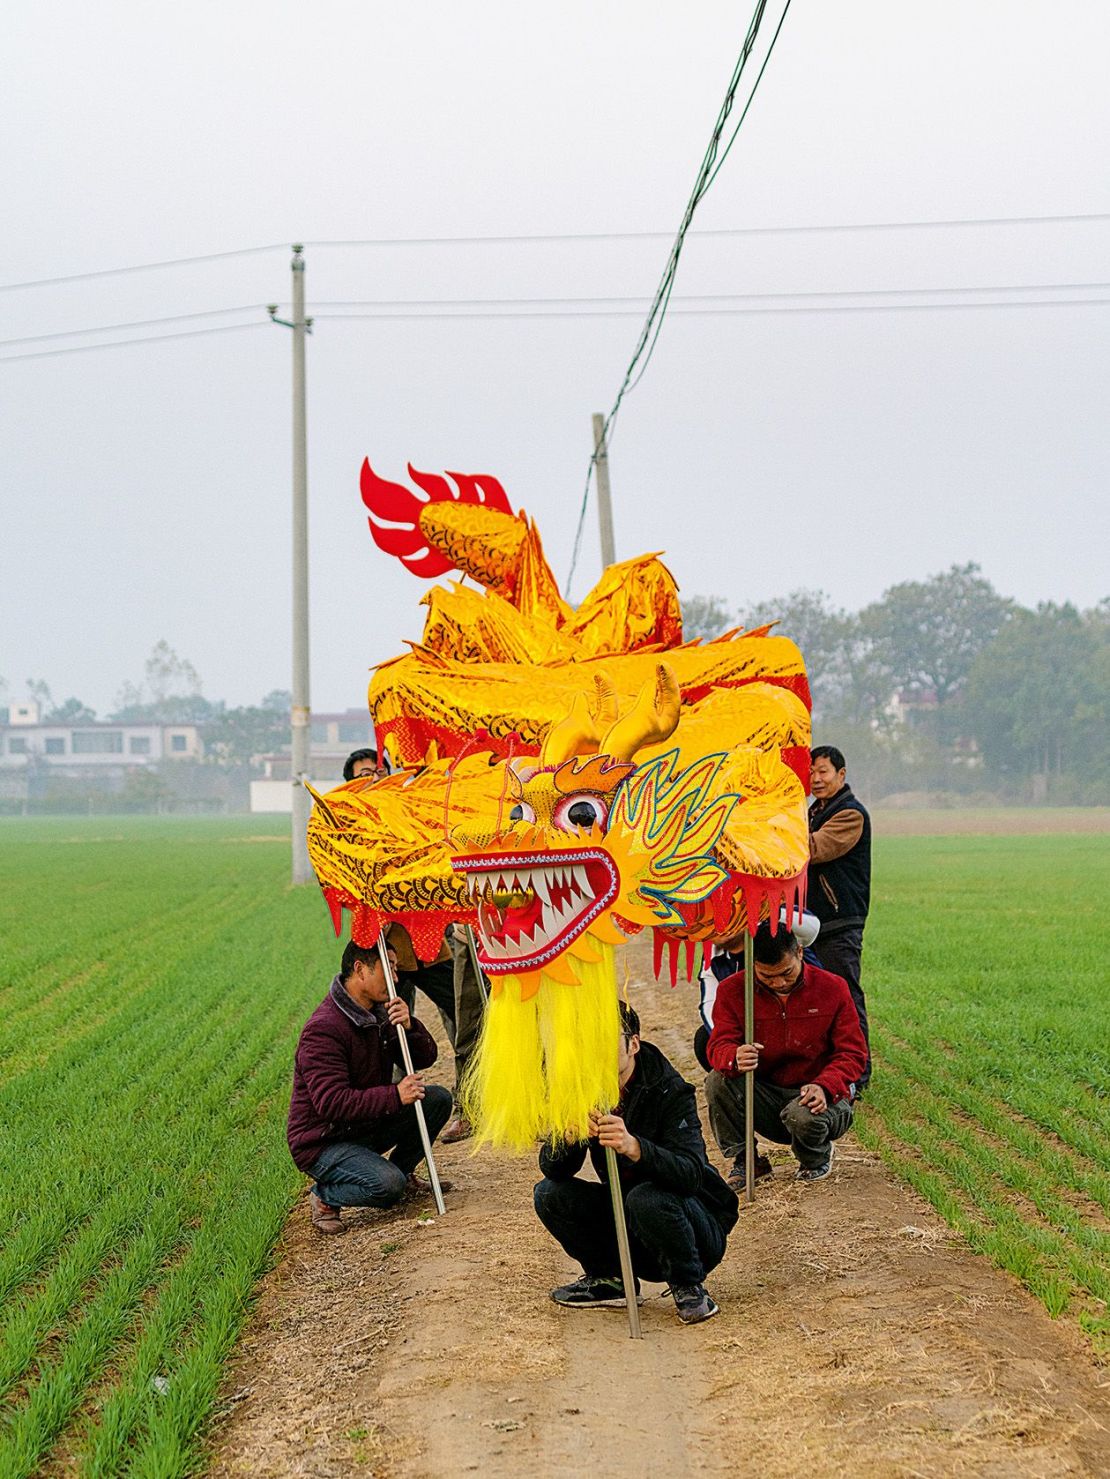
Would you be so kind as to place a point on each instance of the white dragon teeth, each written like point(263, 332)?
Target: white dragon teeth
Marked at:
point(570, 882)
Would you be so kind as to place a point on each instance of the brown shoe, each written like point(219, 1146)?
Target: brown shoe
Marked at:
point(459, 1129)
point(418, 1187)
point(325, 1219)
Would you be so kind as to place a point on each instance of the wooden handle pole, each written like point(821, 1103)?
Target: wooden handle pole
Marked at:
point(628, 1278)
point(402, 1036)
point(472, 947)
point(749, 1077)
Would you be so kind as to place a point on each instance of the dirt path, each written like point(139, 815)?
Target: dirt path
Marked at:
point(856, 1337)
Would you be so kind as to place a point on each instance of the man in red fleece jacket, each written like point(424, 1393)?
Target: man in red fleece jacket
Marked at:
point(346, 1111)
point(808, 1053)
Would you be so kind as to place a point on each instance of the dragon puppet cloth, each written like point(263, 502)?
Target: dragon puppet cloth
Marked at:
point(598, 778)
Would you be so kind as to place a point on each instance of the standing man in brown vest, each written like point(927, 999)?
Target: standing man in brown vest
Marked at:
point(839, 887)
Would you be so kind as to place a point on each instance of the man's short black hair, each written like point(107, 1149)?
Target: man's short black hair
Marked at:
point(630, 1021)
point(830, 753)
point(352, 760)
point(352, 954)
point(770, 948)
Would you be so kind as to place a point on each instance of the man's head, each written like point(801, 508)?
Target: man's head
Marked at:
point(827, 771)
point(777, 959)
point(629, 1042)
point(360, 763)
point(361, 973)
point(734, 945)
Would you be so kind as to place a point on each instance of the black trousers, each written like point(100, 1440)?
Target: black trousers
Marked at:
point(452, 988)
point(437, 981)
point(840, 953)
point(673, 1240)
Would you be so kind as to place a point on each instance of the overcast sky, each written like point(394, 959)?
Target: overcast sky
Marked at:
point(146, 488)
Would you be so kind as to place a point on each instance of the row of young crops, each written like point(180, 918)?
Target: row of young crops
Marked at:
point(986, 974)
point(155, 979)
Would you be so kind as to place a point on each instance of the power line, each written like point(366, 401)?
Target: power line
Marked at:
point(679, 312)
point(1019, 287)
point(50, 282)
point(396, 305)
point(557, 237)
point(121, 343)
point(707, 172)
point(137, 323)
point(755, 87)
point(466, 315)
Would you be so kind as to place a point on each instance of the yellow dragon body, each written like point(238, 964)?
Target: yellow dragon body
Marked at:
point(568, 778)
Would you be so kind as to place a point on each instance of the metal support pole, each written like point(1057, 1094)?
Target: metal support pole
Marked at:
point(402, 1035)
point(472, 946)
point(604, 501)
point(749, 1077)
point(301, 706)
point(628, 1278)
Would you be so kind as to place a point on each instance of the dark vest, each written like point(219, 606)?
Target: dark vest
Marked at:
point(839, 892)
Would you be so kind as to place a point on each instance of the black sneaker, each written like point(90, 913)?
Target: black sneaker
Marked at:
point(737, 1178)
point(815, 1173)
point(589, 1293)
point(694, 1304)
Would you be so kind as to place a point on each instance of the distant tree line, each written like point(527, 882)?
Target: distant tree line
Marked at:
point(945, 686)
point(942, 686)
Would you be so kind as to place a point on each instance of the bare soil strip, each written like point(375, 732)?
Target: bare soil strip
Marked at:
point(1002, 821)
point(856, 1337)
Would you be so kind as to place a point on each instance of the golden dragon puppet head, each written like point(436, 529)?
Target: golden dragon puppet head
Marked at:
point(570, 778)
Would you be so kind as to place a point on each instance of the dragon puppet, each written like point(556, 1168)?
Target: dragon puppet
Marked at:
point(566, 779)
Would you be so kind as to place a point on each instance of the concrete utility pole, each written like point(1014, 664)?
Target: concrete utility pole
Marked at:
point(604, 503)
point(301, 707)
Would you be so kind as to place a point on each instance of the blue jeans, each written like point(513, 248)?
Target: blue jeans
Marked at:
point(355, 1172)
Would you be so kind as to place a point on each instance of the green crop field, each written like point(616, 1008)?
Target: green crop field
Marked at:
point(155, 975)
point(985, 968)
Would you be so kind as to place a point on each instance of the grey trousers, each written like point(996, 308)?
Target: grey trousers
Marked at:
point(779, 1115)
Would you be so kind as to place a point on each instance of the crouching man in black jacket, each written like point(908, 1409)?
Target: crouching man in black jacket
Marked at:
point(679, 1210)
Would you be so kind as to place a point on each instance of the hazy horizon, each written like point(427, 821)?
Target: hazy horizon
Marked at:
point(147, 487)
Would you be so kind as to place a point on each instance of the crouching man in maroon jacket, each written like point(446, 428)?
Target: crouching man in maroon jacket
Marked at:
point(807, 1055)
point(346, 1111)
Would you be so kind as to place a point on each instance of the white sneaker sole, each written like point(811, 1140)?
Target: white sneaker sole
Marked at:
point(800, 1175)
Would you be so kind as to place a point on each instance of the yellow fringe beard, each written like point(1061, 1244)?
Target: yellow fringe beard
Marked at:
point(544, 1064)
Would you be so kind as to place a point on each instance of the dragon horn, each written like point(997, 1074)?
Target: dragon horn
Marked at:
point(653, 719)
point(580, 732)
point(575, 735)
point(605, 712)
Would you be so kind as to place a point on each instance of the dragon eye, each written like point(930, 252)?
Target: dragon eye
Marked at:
point(582, 811)
point(522, 812)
